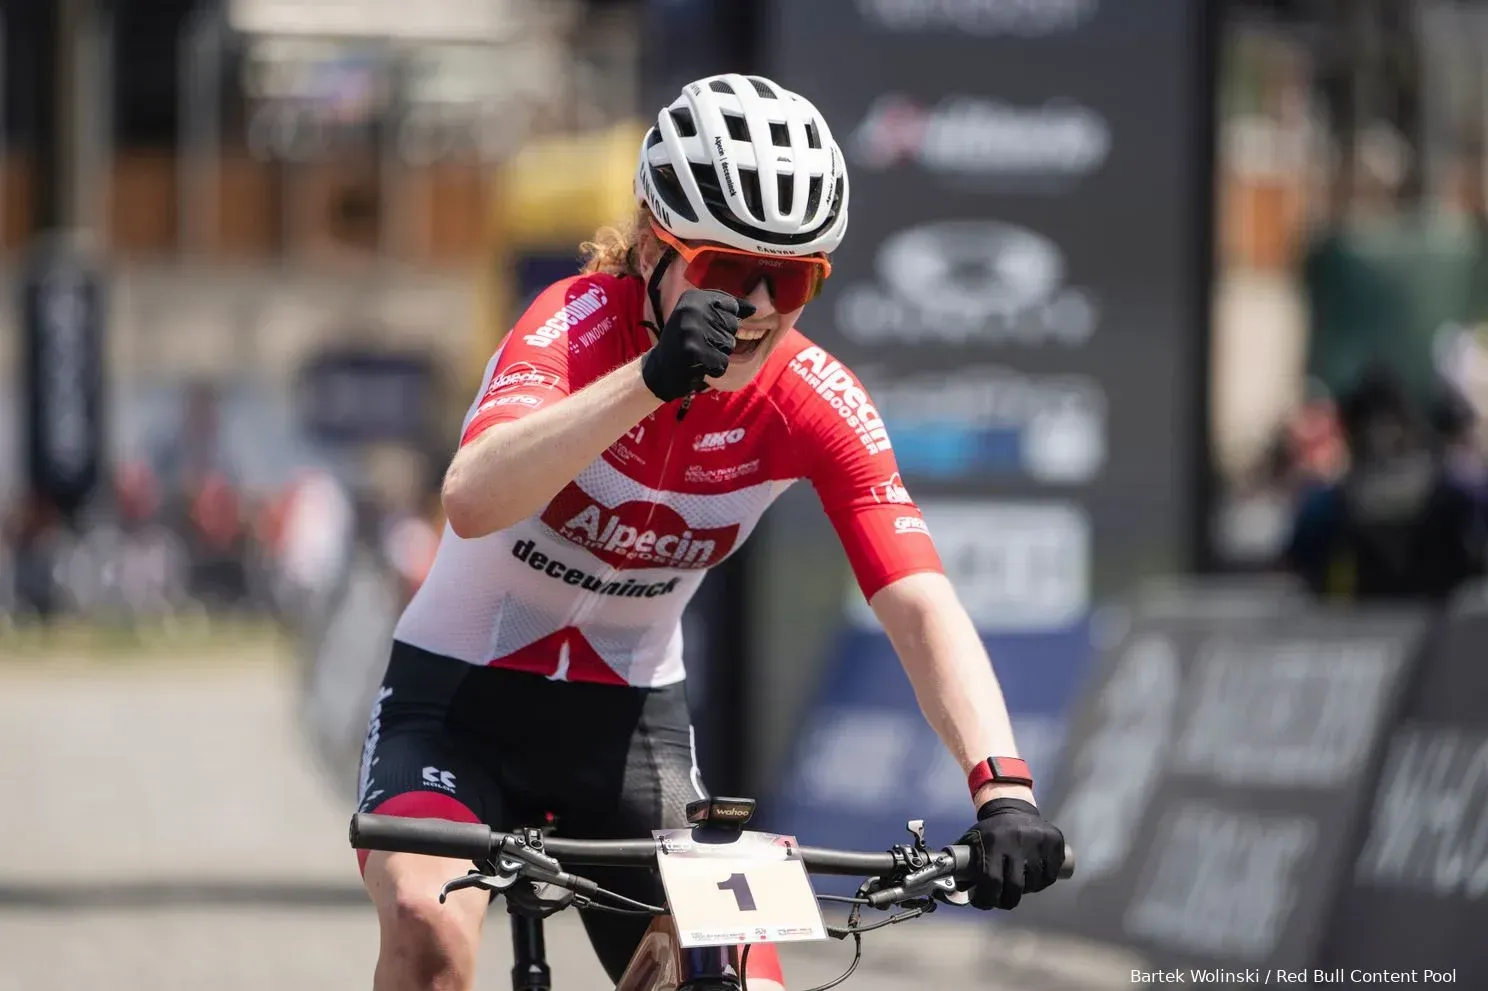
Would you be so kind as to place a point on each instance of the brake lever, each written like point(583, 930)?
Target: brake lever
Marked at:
point(944, 890)
point(506, 876)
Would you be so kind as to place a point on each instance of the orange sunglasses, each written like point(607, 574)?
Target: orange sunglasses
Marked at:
point(791, 281)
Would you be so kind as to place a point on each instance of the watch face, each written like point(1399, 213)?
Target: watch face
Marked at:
point(1012, 770)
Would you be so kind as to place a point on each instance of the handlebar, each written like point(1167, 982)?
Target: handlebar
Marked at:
point(476, 841)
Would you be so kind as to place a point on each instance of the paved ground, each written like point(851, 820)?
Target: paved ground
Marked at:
point(161, 829)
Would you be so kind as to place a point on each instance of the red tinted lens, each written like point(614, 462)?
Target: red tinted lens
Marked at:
point(791, 284)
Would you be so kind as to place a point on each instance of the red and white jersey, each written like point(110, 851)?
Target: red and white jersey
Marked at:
point(593, 586)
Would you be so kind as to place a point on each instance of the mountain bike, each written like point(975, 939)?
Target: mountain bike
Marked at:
point(727, 888)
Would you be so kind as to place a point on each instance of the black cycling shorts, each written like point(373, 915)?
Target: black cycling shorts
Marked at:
point(452, 740)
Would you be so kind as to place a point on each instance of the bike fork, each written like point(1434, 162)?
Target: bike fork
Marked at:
point(530, 972)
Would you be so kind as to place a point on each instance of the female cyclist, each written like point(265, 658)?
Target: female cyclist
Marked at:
point(628, 434)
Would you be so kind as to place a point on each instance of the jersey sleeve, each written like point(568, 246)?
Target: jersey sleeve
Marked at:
point(530, 369)
point(850, 462)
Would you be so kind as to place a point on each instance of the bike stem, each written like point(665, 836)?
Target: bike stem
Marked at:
point(531, 971)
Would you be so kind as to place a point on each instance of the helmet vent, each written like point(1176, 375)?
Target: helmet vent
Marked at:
point(737, 127)
point(686, 126)
point(763, 88)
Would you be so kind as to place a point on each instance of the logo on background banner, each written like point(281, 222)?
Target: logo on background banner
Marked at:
point(1018, 567)
point(960, 282)
point(988, 18)
point(636, 534)
point(981, 140)
point(994, 421)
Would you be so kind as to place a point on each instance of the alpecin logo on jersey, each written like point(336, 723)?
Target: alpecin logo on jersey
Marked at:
point(521, 375)
point(834, 383)
point(636, 534)
point(572, 313)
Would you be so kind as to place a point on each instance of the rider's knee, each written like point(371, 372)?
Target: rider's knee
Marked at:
point(426, 949)
point(428, 945)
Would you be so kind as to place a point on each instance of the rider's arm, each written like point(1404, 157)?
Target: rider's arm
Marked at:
point(952, 676)
point(899, 570)
point(527, 436)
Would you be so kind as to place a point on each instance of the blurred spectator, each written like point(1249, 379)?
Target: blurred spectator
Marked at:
point(185, 457)
point(199, 487)
point(1400, 523)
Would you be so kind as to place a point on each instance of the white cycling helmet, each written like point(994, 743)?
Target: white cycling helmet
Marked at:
point(741, 161)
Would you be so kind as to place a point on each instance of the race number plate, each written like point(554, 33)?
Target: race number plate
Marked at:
point(749, 888)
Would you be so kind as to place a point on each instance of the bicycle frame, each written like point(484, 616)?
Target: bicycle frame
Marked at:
point(659, 963)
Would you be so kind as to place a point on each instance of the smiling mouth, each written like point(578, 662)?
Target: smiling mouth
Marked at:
point(746, 345)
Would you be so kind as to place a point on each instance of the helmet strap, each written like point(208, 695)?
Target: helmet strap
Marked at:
point(653, 289)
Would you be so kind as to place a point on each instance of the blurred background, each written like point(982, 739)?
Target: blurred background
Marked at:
point(1178, 316)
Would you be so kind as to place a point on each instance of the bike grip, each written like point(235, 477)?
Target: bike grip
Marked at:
point(961, 856)
point(431, 837)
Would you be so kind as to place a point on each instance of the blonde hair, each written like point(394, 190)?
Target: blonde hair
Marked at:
point(623, 248)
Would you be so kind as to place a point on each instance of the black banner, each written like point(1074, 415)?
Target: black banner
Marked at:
point(1415, 896)
point(1215, 771)
point(1022, 268)
point(352, 395)
point(62, 316)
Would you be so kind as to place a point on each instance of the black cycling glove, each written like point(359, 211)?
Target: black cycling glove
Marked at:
point(1014, 851)
point(696, 342)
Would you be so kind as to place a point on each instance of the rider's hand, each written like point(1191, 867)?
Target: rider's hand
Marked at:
point(1014, 850)
point(696, 342)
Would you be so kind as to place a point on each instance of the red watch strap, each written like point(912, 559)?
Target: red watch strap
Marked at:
point(999, 770)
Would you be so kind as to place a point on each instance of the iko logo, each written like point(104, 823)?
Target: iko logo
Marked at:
point(967, 282)
point(571, 314)
point(911, 524)
point(988, 18)
point(519, 375)
point(636, 534)
point(439, 779)
point(718, 440)
point(891, 490)
point(837, 386)
point(987, 141)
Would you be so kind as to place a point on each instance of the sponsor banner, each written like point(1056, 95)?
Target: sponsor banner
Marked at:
point(1018, 567)
point(1016, 288)
point(978, 20)
point(1211, 777)
point(1019, 429)
point(62, 310)
point(350, 396)
point(1415, 894)
point(866, 761)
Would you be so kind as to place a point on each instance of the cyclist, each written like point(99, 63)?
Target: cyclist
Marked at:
point(628, 434)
